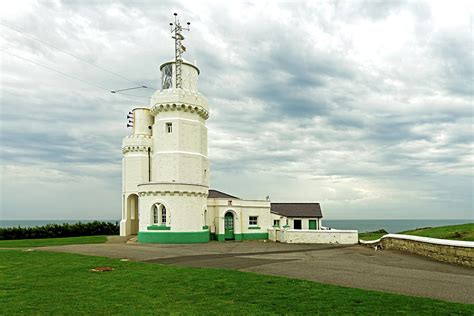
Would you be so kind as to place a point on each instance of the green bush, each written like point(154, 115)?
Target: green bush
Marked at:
point(380, 231)
point(63, 230)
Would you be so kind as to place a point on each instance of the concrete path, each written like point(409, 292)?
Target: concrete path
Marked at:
point(353, 266)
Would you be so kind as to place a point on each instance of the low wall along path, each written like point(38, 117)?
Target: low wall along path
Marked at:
point(451, 251)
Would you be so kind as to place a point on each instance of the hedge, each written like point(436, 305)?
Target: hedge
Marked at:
point(62, 230)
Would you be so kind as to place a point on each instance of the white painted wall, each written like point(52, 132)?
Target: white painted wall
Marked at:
point(241, 209)
point(184, 204)
point(135, 166)
point(180, 156)
point(345, 237)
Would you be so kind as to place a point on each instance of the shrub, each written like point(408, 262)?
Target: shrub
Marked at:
point(63, 230)
point(380, 231)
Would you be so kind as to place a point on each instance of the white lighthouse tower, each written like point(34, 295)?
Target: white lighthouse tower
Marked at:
point(165, 163)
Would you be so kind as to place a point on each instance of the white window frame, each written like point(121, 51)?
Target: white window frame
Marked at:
point(156, 214)
point(251, 220)
point(159, 214)
point(163, 214)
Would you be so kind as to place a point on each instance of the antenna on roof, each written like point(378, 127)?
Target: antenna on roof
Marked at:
point(179, 48)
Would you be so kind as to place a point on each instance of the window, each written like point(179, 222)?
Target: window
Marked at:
point(253, 220)
point(167, 77)
point(156, 215)
point(169, 127)
point(276, 222)
point(159, 214)
point(163, 215)
point(205, 217)
point(297, 224)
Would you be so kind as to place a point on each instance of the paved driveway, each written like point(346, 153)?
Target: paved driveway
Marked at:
point(354, 266)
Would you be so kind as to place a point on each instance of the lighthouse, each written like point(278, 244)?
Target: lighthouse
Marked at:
point(165, 174)
point(165, 167)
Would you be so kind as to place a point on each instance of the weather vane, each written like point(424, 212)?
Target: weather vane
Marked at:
point(179, 49)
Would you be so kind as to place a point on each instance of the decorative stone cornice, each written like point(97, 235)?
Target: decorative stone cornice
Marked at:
point(137, 143)
point(165, 107)
point(127, 149)
point(172, 193)
point(138, 136)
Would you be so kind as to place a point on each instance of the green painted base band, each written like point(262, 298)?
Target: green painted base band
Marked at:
point(158, 227)
point(173, 237)
point(254, 236)
point(248, 236)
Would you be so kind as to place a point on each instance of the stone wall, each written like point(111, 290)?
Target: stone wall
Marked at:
point(451, 251)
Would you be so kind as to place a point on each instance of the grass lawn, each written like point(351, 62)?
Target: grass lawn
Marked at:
point(370, 235)
point(41, 242)
point(455, 232)
point(58, 283)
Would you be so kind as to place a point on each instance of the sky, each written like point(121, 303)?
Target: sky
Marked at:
point(363, 106)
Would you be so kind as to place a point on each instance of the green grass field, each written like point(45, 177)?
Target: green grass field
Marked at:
point(370, 235)
point(42, 283)
point(455, 232)
point(41, 242)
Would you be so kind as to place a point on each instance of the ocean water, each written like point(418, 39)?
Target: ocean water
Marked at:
point(390, 225)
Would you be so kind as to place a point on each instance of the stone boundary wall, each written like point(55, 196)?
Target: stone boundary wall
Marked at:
point(450, 251)
point(300, 236)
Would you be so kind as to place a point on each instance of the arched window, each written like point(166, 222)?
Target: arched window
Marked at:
point(205, 217)
point(159, 214)
point(156, 214)
point(163, 215)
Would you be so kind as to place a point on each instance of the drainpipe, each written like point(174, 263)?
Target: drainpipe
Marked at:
point(149, 165)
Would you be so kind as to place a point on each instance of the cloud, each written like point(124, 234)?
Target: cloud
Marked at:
point(363, 106)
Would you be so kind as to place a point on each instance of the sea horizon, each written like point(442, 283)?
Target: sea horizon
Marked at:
point(362, 225)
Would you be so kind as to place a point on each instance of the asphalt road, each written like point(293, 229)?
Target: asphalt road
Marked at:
point(353, 266)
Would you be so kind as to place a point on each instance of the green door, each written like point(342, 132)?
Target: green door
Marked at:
point(229, 226)
point(312, 224)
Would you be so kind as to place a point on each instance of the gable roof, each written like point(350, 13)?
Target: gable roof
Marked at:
point(296, 209)
point(214, 194)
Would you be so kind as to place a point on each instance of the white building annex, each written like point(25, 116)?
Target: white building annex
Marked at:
point(165, 173)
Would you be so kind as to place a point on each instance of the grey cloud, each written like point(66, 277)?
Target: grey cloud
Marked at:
point(455, 58)
point(290, 116)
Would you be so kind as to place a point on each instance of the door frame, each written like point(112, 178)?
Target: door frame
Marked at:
point(227, 236)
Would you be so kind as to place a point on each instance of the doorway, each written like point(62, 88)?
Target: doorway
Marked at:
point(132, 213)
point(229, 226)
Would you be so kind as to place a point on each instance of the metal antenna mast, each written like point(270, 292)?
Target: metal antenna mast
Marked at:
point(179, 49)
